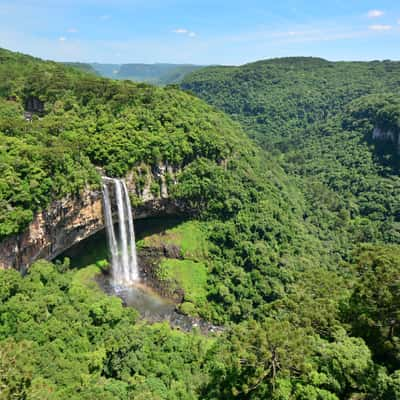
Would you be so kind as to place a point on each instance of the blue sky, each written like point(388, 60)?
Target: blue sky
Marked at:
point(201, 32)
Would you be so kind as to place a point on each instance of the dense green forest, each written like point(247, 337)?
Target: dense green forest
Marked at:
point(89, 122)
point(318, 117)
point(302, 255)
point(335, 128)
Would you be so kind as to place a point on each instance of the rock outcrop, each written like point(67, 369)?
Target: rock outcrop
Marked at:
point(70, 220)
point(149, 261)
point(387, 136)
point(53, 230)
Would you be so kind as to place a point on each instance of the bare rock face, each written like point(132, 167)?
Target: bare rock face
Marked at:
point(33, 106)
point(73, 219)
point(63, 224)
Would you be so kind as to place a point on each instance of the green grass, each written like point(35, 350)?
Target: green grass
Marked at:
point(189, 275)
point(190, 236)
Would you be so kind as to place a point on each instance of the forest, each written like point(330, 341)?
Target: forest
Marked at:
point(294, 199)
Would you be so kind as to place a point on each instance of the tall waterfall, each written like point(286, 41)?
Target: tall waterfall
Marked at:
point(122, 245)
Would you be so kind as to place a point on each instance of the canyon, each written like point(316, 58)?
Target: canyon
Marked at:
point(72, 219)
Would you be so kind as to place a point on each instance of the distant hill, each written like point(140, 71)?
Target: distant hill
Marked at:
point(157, 74)
point(107, 70)
point(82, 67)
point(277, 99)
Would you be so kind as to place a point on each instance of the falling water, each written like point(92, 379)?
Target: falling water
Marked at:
point(134, 272)
point(123, 251)
point(112, 241)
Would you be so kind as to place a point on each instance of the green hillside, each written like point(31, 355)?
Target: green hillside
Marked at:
point(82, 67)
point(83, 122)
point(276, 98)
point(335, 129)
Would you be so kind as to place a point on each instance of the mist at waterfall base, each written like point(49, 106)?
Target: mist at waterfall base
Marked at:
point(95, 250)
point(122, 246)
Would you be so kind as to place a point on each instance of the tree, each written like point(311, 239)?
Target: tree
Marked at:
point(374, 307)
point(253, 358)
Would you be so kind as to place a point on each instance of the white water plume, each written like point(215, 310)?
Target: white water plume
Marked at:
point(122, 247)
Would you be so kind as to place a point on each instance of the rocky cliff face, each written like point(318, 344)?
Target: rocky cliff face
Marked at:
point(387, 136)
point(53, 230)
point(70, 220)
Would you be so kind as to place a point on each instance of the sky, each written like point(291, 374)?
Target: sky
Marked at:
point(202, 32)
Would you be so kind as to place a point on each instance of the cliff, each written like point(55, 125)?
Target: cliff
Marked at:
point(70, 220)
point(53, 230)
point(387, 136)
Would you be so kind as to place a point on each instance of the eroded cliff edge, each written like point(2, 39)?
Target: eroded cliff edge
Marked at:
point(70, 220)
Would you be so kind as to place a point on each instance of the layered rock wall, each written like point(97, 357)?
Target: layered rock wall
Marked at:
point(70, 220)
point(53, 230)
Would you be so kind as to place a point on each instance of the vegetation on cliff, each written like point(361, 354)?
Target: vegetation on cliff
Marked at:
point(77, 122)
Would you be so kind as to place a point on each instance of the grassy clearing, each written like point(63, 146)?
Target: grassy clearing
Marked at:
point(190, 236)
point(85, 277)
point(189, 275)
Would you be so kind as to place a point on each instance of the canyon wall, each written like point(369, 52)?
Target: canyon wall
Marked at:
point(387, 136)
point(64, 223)
point(68, 221)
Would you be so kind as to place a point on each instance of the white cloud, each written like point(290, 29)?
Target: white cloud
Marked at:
point(375, 13)
point(62, 39)
point(380, 27)
point(181, 31)
point(186, 32)
point(72, 30)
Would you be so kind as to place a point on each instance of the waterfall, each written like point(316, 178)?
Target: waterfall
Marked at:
point(134, 271)
point(122, 246)
point(112, 241)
